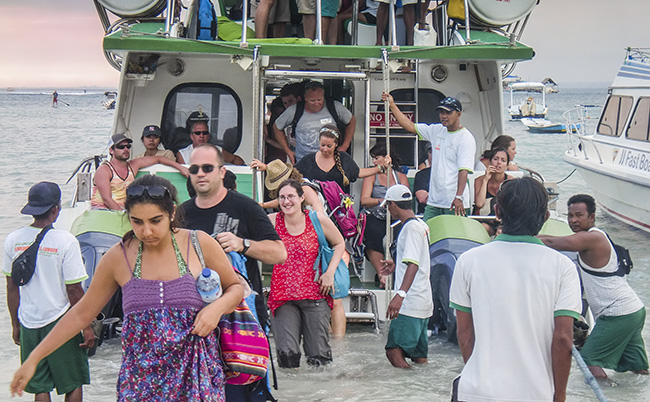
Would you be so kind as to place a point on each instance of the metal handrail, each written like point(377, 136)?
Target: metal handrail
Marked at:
point(577, 118)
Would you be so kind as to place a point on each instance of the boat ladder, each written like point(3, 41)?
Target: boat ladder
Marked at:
point(363, 306)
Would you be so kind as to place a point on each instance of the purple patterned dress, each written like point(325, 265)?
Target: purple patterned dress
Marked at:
point(161, 360)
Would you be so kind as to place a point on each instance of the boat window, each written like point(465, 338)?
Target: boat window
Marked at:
point(410, 150)
point(219, 102)
point(615, 114)
point(640, 122)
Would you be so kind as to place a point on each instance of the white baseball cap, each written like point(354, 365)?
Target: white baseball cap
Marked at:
point(397, 192)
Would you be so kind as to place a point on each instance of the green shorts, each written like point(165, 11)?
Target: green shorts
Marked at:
point(410, 335)
point(616, 343)
point(431, 211)
point(66, 368)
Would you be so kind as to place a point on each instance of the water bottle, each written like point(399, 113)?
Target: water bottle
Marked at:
point(209, 285)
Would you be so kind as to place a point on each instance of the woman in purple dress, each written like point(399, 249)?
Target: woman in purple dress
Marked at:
point(170, 348)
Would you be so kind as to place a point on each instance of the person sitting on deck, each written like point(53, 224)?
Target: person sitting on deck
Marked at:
point(200, 134)
point(114, 176)
point(336, 35)
point(503, 141)
point(487, 185)
point(151, 140)
point(409, 20)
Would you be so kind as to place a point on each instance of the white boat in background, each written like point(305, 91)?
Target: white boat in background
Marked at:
point(530, 106)
point(110, 98)
point(545, 126)
point(615, 159)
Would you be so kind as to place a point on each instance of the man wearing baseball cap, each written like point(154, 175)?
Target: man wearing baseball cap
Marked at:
point(56, 285)
point(412, 304)
point(453, 153)
point(114, 176)
point(151, 141)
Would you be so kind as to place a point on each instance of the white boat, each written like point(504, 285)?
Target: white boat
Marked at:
point(615, 159)
point(533, 105)
point(110, 99)
point(166, 74)
point(545, 126)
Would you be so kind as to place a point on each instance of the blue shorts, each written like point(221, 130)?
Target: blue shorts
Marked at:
point(410, 335)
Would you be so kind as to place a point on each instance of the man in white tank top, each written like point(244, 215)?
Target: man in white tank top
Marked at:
point(616, 341)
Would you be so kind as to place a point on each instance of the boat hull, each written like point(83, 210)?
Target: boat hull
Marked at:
point(622, 193)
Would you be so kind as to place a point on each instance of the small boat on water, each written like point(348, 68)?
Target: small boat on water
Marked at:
point(110, 99)
point(614, 160)
point(545, 126)
point(532, 105)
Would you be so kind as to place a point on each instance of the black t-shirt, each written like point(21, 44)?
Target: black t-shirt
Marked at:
point(309, 169)
point(240, 215)
point(421, 182)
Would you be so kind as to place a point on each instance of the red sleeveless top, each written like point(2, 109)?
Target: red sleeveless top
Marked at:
point(294, 280)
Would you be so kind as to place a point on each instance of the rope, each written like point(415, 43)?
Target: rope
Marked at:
point(572, 172)
point(389, 232)
point(589, 378)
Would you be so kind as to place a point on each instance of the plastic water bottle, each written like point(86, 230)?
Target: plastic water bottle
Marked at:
point(209, 285)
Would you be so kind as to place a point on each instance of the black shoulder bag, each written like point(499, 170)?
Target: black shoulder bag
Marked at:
point(624, 262)
point(23, 267)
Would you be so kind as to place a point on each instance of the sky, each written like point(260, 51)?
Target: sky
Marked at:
point(58, 43)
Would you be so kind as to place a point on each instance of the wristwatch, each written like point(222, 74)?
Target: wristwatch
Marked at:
point(459, 197)
point(247, 245)
point(401, 293)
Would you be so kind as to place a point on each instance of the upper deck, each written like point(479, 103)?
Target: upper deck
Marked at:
point(149, 37)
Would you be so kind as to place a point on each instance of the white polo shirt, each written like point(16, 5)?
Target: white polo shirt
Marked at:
point(514, 287)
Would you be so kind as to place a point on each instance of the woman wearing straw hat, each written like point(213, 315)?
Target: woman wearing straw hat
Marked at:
point(277, 172)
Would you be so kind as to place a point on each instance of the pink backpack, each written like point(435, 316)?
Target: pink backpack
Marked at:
point(339, 208)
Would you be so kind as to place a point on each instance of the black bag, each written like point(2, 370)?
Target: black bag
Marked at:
point(23, 267)
point(625, 264)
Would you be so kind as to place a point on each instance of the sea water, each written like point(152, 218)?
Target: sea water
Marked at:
point(39, 142)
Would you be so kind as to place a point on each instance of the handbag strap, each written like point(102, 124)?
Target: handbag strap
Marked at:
point(315, 222)
point(197, 247)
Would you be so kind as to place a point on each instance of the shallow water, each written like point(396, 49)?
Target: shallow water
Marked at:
point(44, 143)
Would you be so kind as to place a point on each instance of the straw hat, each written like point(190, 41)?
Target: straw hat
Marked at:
point(277, 172)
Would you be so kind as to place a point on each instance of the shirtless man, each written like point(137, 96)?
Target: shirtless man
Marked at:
point(112, 178)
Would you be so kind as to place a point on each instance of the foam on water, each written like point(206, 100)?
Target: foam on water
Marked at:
point(44, 143)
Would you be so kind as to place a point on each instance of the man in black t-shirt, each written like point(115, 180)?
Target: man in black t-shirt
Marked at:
point(237, 222)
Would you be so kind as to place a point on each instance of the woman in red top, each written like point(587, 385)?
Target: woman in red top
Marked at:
point(300, 300)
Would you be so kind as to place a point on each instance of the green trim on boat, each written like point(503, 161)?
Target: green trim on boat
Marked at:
point(147, 37)
point(554, 227)
point(456, 227)
point(101, 220)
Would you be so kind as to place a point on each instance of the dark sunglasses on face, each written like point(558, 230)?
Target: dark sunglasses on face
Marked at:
point(154, 192)
point(207, 168)
point(201, 132)
point(122, 146)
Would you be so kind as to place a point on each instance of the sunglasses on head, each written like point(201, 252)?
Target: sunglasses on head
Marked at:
point(154, 192)
point(201, 132)
point(122, 146)
point(207, 168)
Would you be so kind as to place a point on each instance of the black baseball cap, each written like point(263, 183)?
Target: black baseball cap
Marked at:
point(42, 196)
point(450, 104)
point(151, 130)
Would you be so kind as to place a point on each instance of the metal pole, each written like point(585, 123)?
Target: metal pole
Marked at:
point(170, 15)
point(389, 235)
point(244, 27)
point(319, 13)
point(393, 28)
point(467, 38)
point(258, 107)
point(355, 22)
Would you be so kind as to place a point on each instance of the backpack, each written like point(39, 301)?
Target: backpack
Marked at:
point(206, 27)
point(338, 206)
point(625, 264)
point(331, 108)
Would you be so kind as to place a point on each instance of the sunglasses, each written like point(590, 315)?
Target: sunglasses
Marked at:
point(201, 132)
point(122, 146)
point(154, 192)
point(207, 168)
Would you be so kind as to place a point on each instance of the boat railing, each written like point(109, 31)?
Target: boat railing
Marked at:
point(576, 120)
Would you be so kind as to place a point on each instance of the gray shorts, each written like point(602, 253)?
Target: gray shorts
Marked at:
point(306, 319)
